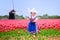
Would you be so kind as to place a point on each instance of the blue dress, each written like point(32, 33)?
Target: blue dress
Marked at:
point(32, 26)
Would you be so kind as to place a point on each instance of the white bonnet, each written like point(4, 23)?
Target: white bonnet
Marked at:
point(33, 10)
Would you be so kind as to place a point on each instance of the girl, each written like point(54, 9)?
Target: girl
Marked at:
point(32, 29)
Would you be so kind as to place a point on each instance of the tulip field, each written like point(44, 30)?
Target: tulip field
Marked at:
point(7, 25)
point(17, 29)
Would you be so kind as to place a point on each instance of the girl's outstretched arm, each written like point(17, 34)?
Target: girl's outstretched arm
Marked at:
point(28, 18)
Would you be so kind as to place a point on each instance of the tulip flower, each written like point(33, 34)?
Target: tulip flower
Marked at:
point(6, 25)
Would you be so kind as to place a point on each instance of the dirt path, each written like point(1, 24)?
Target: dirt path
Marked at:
point(52, 38)
point(44, 38)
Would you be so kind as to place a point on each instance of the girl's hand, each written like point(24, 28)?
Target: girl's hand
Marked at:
point(32, 20)
point(28, 18)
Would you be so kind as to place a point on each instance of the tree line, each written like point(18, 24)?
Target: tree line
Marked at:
point(45, 16)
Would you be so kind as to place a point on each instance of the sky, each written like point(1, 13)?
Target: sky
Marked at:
point(50, 7)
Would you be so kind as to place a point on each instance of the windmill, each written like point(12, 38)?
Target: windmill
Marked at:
point(12, 12)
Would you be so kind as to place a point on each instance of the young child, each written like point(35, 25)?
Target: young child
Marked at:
point(32, 29)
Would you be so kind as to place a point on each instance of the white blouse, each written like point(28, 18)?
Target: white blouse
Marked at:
point(33, 18)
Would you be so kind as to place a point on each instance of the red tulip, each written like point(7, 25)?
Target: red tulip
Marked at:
point(6, 25)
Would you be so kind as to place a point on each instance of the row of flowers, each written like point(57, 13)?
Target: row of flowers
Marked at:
point(7, 25)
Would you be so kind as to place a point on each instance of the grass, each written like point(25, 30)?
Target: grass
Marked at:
point(21, 35)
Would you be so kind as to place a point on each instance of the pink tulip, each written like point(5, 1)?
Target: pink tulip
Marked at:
point(6, 25)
